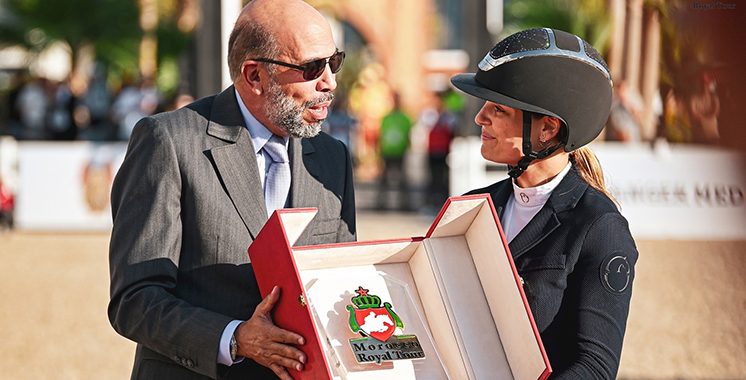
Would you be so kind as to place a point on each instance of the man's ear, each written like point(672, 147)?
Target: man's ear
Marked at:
point(550, 128)
point(251, 74)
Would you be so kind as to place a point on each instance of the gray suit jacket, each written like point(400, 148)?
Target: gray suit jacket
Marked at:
point(186, 203)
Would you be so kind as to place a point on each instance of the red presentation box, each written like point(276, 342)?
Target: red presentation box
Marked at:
point(448, 305)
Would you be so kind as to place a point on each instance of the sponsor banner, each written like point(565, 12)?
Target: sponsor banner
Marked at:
point(680, 192)
point(66, 185)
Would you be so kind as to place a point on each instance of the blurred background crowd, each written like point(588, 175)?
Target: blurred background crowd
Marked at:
point(90, 69)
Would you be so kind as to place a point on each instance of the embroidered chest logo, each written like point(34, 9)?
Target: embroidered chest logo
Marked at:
point(377, 325)
point(524, 198)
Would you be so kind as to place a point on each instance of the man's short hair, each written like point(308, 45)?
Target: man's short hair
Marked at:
point(249, 40)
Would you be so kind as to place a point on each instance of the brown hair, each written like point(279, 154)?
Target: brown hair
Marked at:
point(587, 164)
point(590, 170)
point(249, 39)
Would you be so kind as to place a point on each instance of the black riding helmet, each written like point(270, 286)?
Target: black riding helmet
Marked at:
point(547, 72)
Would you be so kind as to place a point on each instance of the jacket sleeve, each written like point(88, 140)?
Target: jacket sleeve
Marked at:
point(604, 274)
point(144, 256)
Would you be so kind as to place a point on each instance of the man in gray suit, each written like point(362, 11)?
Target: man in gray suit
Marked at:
point(197, 185)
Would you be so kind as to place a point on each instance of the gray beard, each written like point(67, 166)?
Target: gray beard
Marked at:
point(283, 112)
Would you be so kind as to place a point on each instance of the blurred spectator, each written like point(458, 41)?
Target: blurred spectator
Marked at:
point(13, 124)
point(705, 108)
point(92, 114)
point(340, 124)
point(438, 146)
point(677, 126)
point(181, 101)
point(6, 207)
point(40, 109)
point(60, 123)
point(32, 107)
point(692, 117)
point(134, 101)
point(625, 119)
point(393, 143)
point(125, 110)
point(369, 100)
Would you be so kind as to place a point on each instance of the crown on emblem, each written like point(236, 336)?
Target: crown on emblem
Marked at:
point(365, 301)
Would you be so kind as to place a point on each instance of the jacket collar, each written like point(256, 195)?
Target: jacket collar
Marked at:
point(564, 197)
point(226, 122)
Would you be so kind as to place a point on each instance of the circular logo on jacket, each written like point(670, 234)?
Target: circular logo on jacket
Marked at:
point(616, 273)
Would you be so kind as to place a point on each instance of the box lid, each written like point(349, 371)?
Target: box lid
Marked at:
point(272, 259)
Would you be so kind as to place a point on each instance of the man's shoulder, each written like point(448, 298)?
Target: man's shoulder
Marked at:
point(198, 108)
point(326, 144)
point(185, 119)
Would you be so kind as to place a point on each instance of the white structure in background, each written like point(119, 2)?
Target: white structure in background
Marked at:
point(229, 11)
point(494, 16)
point(666, 192)
point(66, 186)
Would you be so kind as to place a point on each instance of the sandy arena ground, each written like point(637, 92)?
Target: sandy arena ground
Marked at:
point(686, 322)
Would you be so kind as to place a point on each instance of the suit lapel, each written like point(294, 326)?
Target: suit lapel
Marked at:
point(565, 196)
point(236, 163)
point(305, 187)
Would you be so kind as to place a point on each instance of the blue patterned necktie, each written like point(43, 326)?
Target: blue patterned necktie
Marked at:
point(277, 182)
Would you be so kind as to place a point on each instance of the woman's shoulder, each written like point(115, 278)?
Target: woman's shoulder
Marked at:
point(582, 207)
point(603, 221)
point(597, 202)
point(489, 189)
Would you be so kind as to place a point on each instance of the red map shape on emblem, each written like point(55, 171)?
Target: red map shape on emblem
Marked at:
point(376, 323)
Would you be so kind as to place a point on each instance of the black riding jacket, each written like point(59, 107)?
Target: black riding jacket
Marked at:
point(576, 258)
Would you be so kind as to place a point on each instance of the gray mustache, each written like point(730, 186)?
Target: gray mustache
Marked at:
point(321, 99)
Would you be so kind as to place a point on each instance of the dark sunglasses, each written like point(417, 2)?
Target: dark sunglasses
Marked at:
point(314, 69)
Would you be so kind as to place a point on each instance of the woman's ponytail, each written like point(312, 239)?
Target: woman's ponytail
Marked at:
point(590, 170)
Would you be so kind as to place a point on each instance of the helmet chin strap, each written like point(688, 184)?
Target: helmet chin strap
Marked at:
point(528, 152)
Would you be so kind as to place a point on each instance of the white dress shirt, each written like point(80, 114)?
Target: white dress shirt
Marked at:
point(526, 203)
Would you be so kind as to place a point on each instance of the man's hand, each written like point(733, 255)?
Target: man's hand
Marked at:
point(261, 341)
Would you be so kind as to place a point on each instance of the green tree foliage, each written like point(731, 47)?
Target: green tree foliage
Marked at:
point(689, 39)
point(586, 18)
point(171, 43)
point(109, 26)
